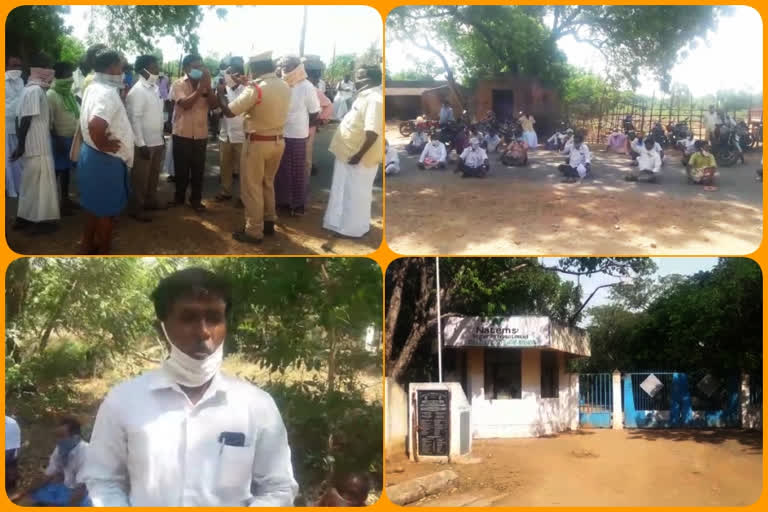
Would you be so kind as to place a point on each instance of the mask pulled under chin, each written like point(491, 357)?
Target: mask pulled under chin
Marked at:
point(188, 371)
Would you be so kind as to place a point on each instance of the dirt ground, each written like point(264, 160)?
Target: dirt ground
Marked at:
point(529, 211)
point(605, 468)
point(182, 231)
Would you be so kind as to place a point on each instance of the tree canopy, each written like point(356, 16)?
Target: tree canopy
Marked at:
point(488, 40)
point(485, 286)
point(710, 321)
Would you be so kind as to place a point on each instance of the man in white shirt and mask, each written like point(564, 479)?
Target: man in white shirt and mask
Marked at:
point(648, 162)
point(434, 155)
point(145, 111)
point(185, 434)
point(579, 160)
point(14, 85)
point(473, 161)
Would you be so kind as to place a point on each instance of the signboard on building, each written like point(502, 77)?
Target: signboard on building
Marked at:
point(499, 332)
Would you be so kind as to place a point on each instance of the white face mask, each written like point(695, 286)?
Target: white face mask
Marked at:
point(152, 79)
point(13, 74)
point(188, 371)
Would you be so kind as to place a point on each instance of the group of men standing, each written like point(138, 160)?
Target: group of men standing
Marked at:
point(113, 135)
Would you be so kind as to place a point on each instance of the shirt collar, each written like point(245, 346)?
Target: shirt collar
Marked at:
point(143, 81)
point(161, 379)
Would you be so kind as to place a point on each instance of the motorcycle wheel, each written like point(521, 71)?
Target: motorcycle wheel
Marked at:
point(726, 158)
point(406, 129)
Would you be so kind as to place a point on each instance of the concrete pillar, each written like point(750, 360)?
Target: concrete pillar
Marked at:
point(618, 414)
point(744, 401)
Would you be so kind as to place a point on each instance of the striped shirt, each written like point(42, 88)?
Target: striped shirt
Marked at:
point(34, 103)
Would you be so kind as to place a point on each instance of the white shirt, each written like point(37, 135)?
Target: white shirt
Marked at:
point(392, 158)
point(492, 142)
point(577, 156)
point(145, 111)
point(434, 152)
point(231, 128)
point(77, 82)
point(474, 158)
point(13, 89)
point(101, 100)
point(12, 434)
point(34, 103)
point(72, 469)
point(711, 119)
point(649, 160)
point(303, 103)
point(689, 146)
point(151, 447)
point(418, 138)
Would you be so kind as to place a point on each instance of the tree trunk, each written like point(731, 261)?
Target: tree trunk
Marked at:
point(395, 302)
point(55, 315)
point(16, 287)
point(332, 360)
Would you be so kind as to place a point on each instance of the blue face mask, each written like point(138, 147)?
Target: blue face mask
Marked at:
point(67, 445)
point(195, 74)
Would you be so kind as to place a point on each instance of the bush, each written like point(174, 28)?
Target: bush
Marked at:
point(329, 432)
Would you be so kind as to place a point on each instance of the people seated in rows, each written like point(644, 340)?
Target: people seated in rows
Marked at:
point(434, 155)
point(473, 161)
point(579, 161)
point(391, 159)
point(491, 141)
point(514, 151)
point(62, 484)
point(617, 141)
point(648, 161)
point(419, 139)
point(688, 146)
point(701, 167)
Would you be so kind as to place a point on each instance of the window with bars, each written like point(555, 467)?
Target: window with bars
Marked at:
point(503, 374)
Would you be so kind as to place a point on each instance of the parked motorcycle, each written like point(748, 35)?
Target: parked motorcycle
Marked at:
point(724, 149)
point(678, 132)
point(627, 124)
point(408, 127)
point(659, 135)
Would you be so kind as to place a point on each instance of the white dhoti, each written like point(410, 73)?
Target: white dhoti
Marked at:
point(531, 139)
point(341, 105)
point(12, 169)
point(168, 162)
point(39, 193)
point(349, 207)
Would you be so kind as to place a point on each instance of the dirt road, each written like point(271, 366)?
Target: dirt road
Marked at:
point(606, 468)
point(529, 211)
point(182, 231)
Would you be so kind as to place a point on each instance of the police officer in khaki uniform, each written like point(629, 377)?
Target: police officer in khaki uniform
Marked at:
point(265, 104)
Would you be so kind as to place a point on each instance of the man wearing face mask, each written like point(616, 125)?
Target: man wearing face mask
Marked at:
point(291, 179)
point(357, 146)
point(63, 484)
point(231, 135)
point(145, 112)
point(186, 434)
point(38, 209)
point(105, 154)
point(192, 96)
point(433, 155)
point(473, 161)
point(65, 112)
point(14, 85)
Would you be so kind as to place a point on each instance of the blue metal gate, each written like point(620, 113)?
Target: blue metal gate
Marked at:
point(672, 399)
point(595, 400)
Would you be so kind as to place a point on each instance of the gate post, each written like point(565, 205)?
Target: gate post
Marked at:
point(618, 414)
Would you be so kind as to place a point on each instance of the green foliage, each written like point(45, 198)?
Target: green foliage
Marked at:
point(711, 321)
point(341, 65)
point(329, 431)
point(488, 40)
point(422, 70)
point(72, 49)
point(30, 29)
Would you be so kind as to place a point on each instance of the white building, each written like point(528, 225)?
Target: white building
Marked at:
point(513, 373)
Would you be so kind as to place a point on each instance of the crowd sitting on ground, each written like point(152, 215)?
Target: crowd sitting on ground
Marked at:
point(105, 121)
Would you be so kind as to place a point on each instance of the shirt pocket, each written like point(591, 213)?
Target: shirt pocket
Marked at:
point(235, 471)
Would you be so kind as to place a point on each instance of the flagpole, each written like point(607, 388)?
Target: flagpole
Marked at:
point(439, 328)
